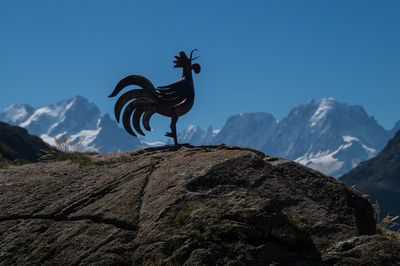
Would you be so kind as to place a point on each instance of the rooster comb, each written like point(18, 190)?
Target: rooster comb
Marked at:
point(182, 58)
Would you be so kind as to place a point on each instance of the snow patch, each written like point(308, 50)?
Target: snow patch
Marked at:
point(17, 114)
point(191, 127)
point(42, 111)
point(350, 138)
point(324, 107)
point(153, 143)
point(49, 140)
point(85, 138)
point(326, 163)
point(371, 151)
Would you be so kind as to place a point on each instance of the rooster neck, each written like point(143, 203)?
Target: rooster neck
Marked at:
point(187, 74)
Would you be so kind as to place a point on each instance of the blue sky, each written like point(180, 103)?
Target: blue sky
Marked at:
point(255, 55)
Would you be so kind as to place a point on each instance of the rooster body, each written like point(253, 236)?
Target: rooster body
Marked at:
point(172, 100)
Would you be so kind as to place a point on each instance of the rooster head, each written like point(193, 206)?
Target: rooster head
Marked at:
point(183, 61)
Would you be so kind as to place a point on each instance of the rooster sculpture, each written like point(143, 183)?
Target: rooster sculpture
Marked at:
point(172, 101)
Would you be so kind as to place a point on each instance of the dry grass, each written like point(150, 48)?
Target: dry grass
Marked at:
point(65, 150)
point(388, 222)
point(66, 146)
point(392, 235)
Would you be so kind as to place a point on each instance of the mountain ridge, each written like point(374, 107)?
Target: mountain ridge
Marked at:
point(77, 119)
point(326, 135)
point(379, 178)
point(17, 146)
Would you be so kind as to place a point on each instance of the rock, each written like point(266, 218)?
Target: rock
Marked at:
point(206, 205)
point(17, 145)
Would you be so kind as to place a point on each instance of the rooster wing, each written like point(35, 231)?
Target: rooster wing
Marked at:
point(176, 93)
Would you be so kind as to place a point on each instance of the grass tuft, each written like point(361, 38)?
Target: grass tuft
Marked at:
point(85, 160)
point(75, 157)
point(388, 222)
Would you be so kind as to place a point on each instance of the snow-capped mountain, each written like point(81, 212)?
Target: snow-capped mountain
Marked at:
point(248, 130)
point(197, 136)
point(16, 113)
point(325, 135)
point(77, 120)
point(328, 136)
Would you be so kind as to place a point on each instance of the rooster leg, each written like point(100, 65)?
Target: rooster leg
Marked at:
point(172, 134)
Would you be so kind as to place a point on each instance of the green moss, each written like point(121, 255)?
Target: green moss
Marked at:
point(208, 150)
point(182, 215)
point(205, 235)
point(294, 221)
point(299, 239)
point(277, 234)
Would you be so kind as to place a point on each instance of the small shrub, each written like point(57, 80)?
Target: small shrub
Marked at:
point(388, 222)
point(64, 145)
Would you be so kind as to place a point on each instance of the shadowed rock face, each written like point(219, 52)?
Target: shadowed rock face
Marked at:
point(17, 145)
point(202, 205)
point(379, 178)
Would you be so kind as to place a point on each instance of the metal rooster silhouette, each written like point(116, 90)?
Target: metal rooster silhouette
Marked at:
point(173, 100)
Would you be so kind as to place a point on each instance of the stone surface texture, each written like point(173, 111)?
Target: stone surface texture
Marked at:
point(206, 205)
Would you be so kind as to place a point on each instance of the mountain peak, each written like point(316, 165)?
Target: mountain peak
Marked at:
point(325, 134)
point(75, 118)
point(16, 113)
point(195, 135)
point(396, 127)
point(324, 106)
point(327, 99)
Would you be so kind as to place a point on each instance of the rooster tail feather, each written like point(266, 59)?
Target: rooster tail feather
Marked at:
point(146, 119)
point(137, 102)
point(136, 120)
point(127, 115)
point(137, 108)
point(134, 80)
point(125, 98)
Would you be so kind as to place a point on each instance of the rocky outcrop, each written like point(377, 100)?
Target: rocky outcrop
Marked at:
point(206, 205)
point(18, 146)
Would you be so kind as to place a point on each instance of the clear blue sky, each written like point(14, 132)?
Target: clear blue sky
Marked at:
point(255, 55)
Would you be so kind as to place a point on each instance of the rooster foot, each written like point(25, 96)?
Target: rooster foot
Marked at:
point(169, 134)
